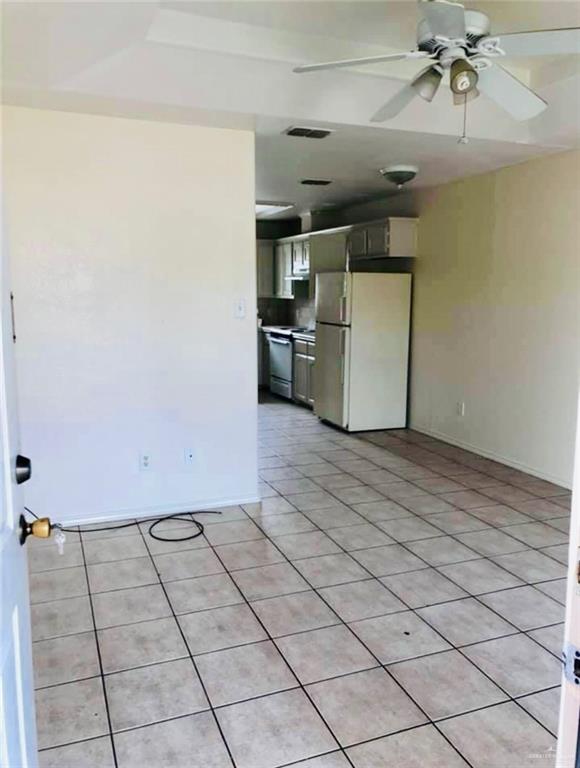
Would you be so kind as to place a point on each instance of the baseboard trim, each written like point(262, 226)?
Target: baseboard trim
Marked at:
point(492, 455)
point(159, 511)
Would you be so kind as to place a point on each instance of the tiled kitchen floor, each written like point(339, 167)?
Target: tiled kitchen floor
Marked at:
point(395, 602)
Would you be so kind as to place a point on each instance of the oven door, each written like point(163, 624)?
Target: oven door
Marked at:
point(280, 365)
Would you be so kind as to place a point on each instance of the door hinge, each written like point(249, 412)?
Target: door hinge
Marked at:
point(571, 661)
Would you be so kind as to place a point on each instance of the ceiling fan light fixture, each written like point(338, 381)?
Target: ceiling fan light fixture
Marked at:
point(462, 77)
point(427, 83)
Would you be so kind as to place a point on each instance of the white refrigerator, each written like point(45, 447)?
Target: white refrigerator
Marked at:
point(362, 349)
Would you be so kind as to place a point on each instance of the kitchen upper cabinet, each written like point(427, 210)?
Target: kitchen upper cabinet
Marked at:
point(301, 257)
point(395, 237)
point(377, 236)
point(327, 254)
point(403, 237)
point(283, 271)
point(357, 242)
point(265, 269)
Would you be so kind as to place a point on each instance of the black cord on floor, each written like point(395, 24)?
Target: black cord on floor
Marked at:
point(154, 522)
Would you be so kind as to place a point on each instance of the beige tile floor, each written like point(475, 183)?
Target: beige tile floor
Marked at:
point(393, 602)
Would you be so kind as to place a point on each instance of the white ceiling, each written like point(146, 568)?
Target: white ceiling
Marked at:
point(352, 156)
point(381, 23)
point(230, 64)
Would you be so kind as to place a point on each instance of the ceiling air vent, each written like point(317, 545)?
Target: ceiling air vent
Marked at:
point(316, 182)
point(307, 133)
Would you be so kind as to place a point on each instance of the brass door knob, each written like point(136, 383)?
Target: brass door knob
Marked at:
point(40, 528)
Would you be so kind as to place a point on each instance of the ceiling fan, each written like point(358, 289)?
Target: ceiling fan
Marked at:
point(458, 41)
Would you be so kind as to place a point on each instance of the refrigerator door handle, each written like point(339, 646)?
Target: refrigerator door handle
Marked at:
point(342, 355)
point(342, 309)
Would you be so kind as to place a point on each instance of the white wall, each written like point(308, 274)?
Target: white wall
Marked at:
point(496, 310)
point(131, 242)
point(496, 317)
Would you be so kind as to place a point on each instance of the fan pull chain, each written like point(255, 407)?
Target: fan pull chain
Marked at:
point(463, 139)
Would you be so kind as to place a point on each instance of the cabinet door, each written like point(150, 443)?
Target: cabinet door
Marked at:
point(305, 255)
point(311, 361)
point(288, 291)
point(327, 253)
point(378, 239)
point(265, 269)
point(296, 257)
point(300, 377)
point(403, 237)
point(283, 258)
point(357, 243)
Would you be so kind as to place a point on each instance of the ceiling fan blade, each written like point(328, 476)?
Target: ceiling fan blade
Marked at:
point(359, 62)
point(395, 105)
point(425, 84)
point(444, 18)
point(510, 93)
point(548, 42)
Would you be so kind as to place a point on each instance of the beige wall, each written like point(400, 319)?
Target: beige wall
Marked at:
point(131, 243)
point(495, 323)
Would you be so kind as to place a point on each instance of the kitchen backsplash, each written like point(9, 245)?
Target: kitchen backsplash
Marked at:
point(275, 311)
point(297, 311)
point(302, 306)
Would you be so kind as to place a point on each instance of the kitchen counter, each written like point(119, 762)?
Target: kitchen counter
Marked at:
point(283, 330)
point(294, 331)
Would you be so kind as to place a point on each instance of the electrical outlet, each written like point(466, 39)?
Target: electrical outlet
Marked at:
point(461, 408)
point(188, 456)
point(144, 461)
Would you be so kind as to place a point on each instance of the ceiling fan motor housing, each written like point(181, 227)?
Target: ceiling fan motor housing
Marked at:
point(477, 26)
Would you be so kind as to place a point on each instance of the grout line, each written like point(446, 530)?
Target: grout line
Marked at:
point(102, 677)
point(472, 596)
point(296, 592)
point(303, 760)
point(369, 650)
point(291, 670)
point(402, 503)
point(275, 638)
point(210, 706)
point(371, 576)
point(437, 567)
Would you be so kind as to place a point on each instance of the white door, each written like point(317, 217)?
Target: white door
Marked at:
point(17, 719)
point(331, 374)
point(570, 703)
point(333, 298)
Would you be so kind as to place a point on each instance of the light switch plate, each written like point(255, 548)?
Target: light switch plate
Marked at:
point(240, 309)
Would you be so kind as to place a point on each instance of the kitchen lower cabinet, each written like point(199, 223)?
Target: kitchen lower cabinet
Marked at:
point(311, 361)
point(303, 372)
